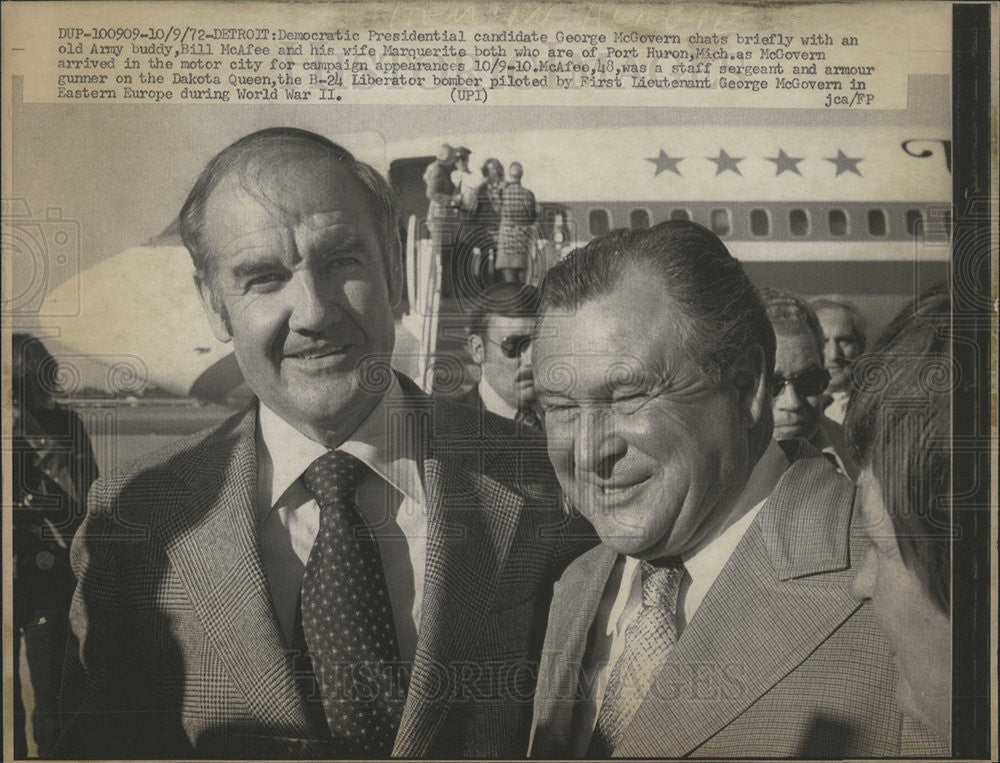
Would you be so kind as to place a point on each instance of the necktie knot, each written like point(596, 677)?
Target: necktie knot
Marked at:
point(661, 584)
point(333, 477)
point(527, 417)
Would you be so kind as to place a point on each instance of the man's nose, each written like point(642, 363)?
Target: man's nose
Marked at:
point(788, 399)
point(313, 304)
point(598, 446)
point(525, 360)
point(831, 352)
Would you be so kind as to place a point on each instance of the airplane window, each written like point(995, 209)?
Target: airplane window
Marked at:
point(876, 222)
point(838, 222)
point(914, 222)
point(679, 214)
point(720, 221)
point(599, 222)
point(760, 225)
point(798, 222)
point(638, 218)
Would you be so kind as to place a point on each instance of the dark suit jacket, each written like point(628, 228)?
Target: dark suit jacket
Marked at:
point(778, 661)
point(175, 649)
point(53, 466)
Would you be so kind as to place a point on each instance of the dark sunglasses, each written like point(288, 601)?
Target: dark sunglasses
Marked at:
point(806, 384)
point(513, 346)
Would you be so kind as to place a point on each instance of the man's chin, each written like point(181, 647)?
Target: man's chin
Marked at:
point(334, 405)
point(623, 531)
point(793, 432)
point(624, 543)
point(525, 395)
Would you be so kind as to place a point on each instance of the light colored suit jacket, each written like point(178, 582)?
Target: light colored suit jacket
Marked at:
point(778, 660)
point(175, 649)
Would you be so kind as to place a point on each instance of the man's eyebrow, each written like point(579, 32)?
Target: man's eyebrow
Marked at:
point(245, 269)
point(343, 242)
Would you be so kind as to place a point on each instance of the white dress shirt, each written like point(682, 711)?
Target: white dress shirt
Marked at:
point(391, 499)
point(622, 596)
point(831, 441)
point(467, 185)
point(836, 409)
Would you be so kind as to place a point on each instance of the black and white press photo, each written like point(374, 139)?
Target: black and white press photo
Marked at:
point(499, 380)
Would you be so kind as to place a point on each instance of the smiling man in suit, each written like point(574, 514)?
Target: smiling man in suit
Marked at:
point(346, 568)
point(715, 620)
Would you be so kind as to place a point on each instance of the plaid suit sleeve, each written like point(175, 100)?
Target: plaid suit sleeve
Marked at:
point(102, 706)
point(89, 675)
point(530, 207)
point(561, 529)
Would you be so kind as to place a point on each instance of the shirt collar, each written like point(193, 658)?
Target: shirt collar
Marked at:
point(287, 452)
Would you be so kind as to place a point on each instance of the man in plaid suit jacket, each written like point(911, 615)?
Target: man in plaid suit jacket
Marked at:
point(715, 619)
point(189, 563)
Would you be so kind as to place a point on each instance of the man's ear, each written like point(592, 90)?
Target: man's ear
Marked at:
point(750, 378)
point(476, 349)
point(394, 272)
point(213, 309)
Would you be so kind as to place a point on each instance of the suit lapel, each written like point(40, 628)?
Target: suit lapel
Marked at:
point(211, 541)
point(782, 593)
point(471, 521)
point(575, 601)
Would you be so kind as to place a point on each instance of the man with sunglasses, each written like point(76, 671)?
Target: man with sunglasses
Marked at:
point(500, 344)
point(800, 379)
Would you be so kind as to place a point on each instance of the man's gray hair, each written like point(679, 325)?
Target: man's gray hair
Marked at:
point(837, 302)
point(238, 158)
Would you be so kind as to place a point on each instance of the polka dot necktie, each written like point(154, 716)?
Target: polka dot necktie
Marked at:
point(347, 617)
point(648, 641)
